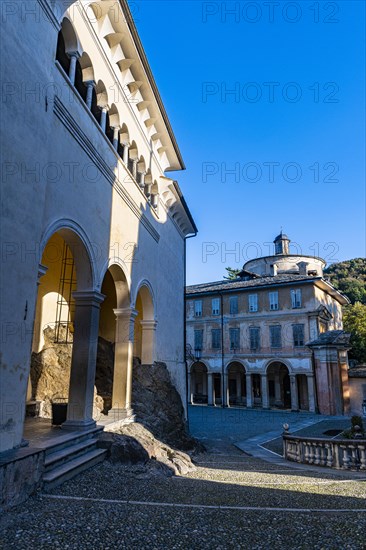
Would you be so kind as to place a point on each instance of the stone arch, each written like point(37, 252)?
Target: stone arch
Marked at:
point(81, 247)
point(198, 383)
point(286, 362)
point(154, 196)
point(67, 308)
point(279, 385)
point(114, 359)
point(102, 94)
point(87, 68)
point(113, 125)
point(70, 37)
point(145, 324)
point(236, 384)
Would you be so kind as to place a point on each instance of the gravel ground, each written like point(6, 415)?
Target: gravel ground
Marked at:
point(187, 512)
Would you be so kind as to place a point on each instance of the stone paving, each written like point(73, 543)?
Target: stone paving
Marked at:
point(232, 500)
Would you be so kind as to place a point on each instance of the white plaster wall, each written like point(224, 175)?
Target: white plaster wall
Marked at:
point(67, 186)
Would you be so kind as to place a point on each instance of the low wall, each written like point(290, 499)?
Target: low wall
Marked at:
point(20, 476)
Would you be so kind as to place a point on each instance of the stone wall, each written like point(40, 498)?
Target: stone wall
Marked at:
point(20, 478)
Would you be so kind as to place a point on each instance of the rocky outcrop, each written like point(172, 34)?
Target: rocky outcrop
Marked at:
point(158, 406)
point(50, 374)
point(134, 444)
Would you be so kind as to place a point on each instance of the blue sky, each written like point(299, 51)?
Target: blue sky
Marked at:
point(292, 132)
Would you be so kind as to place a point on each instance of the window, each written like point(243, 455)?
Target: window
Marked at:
point(198, 339)
point(234, 305)
point(254, 338)
point(253, 302)
point(273, 300)
point(215, 306)
point(234, 338)
point(198, 308)
point(275, 336)
point(298, 334)
point(296, 297)
point(216, 338)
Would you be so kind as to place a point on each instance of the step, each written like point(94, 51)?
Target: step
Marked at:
point(70, 469)
point(68, 453)
point(68, 438)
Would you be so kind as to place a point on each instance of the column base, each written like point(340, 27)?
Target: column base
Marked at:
point(79, 425)
point(120, 414)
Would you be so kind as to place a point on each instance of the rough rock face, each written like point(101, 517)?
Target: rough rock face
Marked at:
point(133, 444)
point(50, 375)
point(158, 406)
point(104, 371)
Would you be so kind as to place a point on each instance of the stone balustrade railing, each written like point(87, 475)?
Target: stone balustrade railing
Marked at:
point(344, 454)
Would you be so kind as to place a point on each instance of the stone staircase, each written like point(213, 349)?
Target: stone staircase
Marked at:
point(71, 455)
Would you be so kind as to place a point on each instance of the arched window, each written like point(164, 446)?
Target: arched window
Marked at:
point(61, 54)
point(79, 84)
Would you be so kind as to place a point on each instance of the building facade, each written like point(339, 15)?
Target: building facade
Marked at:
point(93, 229)
point(270, 338)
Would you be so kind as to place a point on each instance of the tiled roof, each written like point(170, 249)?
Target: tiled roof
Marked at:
point(331, 337)
point(269, 280)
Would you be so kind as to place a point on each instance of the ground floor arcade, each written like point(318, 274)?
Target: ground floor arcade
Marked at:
point(277, 387)
point(85, 339)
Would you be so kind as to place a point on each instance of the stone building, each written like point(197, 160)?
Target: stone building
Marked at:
point(270, 338)
point(93, 228)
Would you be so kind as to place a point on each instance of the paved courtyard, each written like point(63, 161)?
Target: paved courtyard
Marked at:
point(232, 500)
point(239, 424)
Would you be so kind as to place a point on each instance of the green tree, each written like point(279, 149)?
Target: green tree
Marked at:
point(349, 277)
point(232, 273)
point(354, 321)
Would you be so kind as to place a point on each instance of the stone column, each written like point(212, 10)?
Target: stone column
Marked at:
point(209, 389)
point(189, 394)
point(83, 361)
point(249, 390)
point(123, 363)
point(148, 342)
point(134, 168)
point(311, 392)
point(225, 395)
point(238, 385)
point(294, 393)
point(116, 130)
point(103, 118)
point(264, 389)
point(142, 180)
point(278, 397)
point(74, 56)
point(126, 147)
point(90, 85)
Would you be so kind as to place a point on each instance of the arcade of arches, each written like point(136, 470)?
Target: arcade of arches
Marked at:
point(277, 387)
point(84, 340)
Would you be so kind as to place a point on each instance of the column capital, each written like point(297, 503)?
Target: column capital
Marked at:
point(74, 53)
point(150, 324)
point(126, 312)
point(104, 108)
point(126, 143)
point(88, 297)
point(42, 270)
point(90, 83)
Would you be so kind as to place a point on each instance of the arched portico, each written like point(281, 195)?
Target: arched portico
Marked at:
point(145, 325)
point(116, 327)
point(68, 309)
point(236, 384)
point(279, 385)
point(199, 391)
